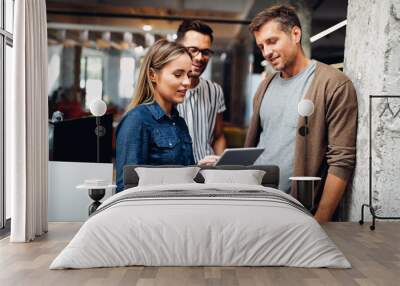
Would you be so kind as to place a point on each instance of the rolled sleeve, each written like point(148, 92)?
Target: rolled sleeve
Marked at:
point(342, 131)
point(221, 100)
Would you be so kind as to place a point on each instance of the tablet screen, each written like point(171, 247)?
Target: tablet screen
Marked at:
point(240, 156)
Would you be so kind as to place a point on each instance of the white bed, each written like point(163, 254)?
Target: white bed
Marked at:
point(203, 225)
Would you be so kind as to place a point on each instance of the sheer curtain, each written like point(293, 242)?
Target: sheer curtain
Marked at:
point(26, 123)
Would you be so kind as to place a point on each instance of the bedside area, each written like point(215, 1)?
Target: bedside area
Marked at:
point(66, 203)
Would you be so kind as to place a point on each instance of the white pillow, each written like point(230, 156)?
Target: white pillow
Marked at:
point(248, 177)
point(166, 176)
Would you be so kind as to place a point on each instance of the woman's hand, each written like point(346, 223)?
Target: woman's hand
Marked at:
point(209, 160)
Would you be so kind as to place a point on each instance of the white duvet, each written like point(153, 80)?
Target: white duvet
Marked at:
point(207, 230)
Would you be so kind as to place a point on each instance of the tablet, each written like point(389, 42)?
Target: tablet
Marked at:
point(239, 156)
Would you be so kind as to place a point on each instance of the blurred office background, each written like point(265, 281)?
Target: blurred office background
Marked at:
point(96, 46)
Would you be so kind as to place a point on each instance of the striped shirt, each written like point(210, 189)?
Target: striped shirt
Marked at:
point(200, 109)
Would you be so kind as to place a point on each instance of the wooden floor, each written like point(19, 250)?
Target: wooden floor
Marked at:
point(374, 255)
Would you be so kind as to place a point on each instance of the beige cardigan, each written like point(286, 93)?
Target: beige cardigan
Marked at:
point(331, 142)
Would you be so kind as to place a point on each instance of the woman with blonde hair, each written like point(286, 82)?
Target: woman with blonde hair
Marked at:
point(152, 132)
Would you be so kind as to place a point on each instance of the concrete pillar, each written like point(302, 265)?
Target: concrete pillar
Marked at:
point(238, 78)
point(67, 67)
point(77, 67)
point(372, 61)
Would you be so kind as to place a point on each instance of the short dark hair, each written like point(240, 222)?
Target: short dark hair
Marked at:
point(193, 25)
point(285, 15)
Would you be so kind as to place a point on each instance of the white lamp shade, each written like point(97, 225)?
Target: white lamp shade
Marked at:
point(98, 107)
point(305, 107)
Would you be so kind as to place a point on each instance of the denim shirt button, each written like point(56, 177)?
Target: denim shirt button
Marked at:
point(170, 144)
point(173, 123)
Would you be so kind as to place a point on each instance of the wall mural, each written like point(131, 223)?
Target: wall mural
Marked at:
point(385, 142)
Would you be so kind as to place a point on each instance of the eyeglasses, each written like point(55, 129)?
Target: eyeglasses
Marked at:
point(194, 51)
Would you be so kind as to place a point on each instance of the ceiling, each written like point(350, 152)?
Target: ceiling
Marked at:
point(233, 6)
point(127, 15)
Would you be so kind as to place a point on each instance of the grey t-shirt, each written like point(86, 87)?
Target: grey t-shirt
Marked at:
point(278, 116)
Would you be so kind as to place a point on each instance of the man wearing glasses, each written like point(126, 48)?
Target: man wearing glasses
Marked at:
point(204, 102)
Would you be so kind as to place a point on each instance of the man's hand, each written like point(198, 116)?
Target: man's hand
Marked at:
point(333, 192)
point(209, 160)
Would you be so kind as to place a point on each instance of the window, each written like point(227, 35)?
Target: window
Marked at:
point(53, 73)
point(127, 76)
point(9, 71)
point(9, 15)
point(2, 153)
point(92, 78)
point(6, 65)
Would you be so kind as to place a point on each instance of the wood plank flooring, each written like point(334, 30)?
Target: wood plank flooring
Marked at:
point(374, 255)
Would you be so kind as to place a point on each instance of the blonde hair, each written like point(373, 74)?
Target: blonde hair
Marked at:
point(159, 54)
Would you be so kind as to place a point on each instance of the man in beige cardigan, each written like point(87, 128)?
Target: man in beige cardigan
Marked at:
point(331, 141)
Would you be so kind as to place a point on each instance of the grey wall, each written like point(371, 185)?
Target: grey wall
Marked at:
point(372, 61)
point(67, 203)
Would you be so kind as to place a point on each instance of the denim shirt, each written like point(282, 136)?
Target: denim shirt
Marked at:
point(147, 136)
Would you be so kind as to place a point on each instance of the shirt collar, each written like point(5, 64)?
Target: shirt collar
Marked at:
point(157, 112)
